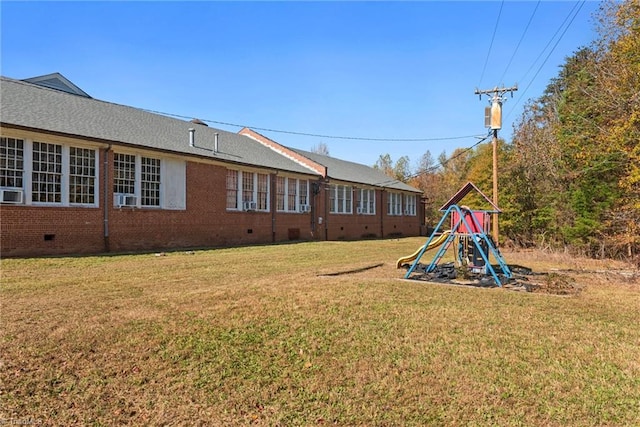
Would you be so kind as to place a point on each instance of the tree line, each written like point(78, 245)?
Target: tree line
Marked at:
point(570, 177)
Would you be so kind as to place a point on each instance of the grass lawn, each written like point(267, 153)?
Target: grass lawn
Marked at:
point(259, 335)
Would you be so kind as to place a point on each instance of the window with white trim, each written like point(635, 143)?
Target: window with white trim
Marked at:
point(247, 190)
point(150, 182)
point(247, 187)
point(46, 180)
point(48, 173)
point(11, 162)
point(280, 192)
point(291, 194)
point(394, 203)
point(410, 204)
point(232, 189)
point(124, 173)
point(263, 192)
point(348, 195)
point(340, 199)
point(82, 175)
point(367, 202)
point(303, 196)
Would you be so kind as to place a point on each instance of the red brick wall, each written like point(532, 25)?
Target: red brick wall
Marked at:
point(44, 230)
point(355, 226)
point(205, 223)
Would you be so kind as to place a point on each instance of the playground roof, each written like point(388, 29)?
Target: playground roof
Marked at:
point(462, 193)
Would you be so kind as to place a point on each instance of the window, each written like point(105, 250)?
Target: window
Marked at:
point(394, 204)
point(232, 189)
point(11, 162)
point(124, 173)
point(150, 181)
point(348, 195)
point(340, 199)
point(245, 188)
point(367, 202)
point(42, 172)
point(303, 196)
point(46, 181)
point(292, 194)
point(333, 191)
point(263, 192)
point(280, 192)
point(410, 204)
point(82, 175)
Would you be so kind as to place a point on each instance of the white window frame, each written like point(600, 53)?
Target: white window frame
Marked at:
point(150, 182)
point(57, 177)
point(281, 193)
point(291, 198)
point(303, 192)
point(82, 175)
point(48, 164)
point(232, 189)
point(341, 199)
point(410, 204)
point(367, 201)
point(394, 203)
point(292, 193)
point(12, 167)
point(124, 173)
point(248, 189)
point(147, 182)
point(249, 193)
point(262, 191)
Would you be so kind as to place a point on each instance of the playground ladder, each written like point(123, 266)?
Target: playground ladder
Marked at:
point(476, 238)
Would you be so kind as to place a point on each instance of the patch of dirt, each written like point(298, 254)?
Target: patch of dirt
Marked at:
point(522, 279)
point(555, 284)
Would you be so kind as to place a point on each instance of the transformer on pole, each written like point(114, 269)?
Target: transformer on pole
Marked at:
point(493, 120)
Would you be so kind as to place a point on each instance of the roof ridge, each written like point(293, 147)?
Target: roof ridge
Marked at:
point(285, 151)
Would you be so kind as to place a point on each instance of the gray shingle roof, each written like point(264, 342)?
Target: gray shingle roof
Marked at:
point(355, 172)
point(31, 106)
point(35, 107)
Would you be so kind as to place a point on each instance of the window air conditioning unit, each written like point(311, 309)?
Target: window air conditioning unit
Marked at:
point(249, 206)
point(11, 196)
point(125, 200)
point(359, 211)
point(305, 208)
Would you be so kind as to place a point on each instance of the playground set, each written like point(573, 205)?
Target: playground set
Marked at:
point(469, 234)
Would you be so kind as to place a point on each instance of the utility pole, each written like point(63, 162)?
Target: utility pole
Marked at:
point(493, 120)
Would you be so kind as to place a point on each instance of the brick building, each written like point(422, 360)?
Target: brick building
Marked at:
point(80, 175)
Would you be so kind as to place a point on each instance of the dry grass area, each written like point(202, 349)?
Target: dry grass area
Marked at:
point(257, 336)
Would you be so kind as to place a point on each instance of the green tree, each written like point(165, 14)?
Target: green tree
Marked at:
point(399, 170)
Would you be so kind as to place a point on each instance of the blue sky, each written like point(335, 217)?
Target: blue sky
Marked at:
point(388, 70)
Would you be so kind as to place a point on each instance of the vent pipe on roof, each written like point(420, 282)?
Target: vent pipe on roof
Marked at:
point(192, 137)
point(215, 143)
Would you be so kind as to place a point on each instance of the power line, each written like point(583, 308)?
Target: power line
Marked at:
point(459, 154)
point(495, 29)
point(577, 7)
point(316, 135)
point(520, 41)
point(439, 165)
